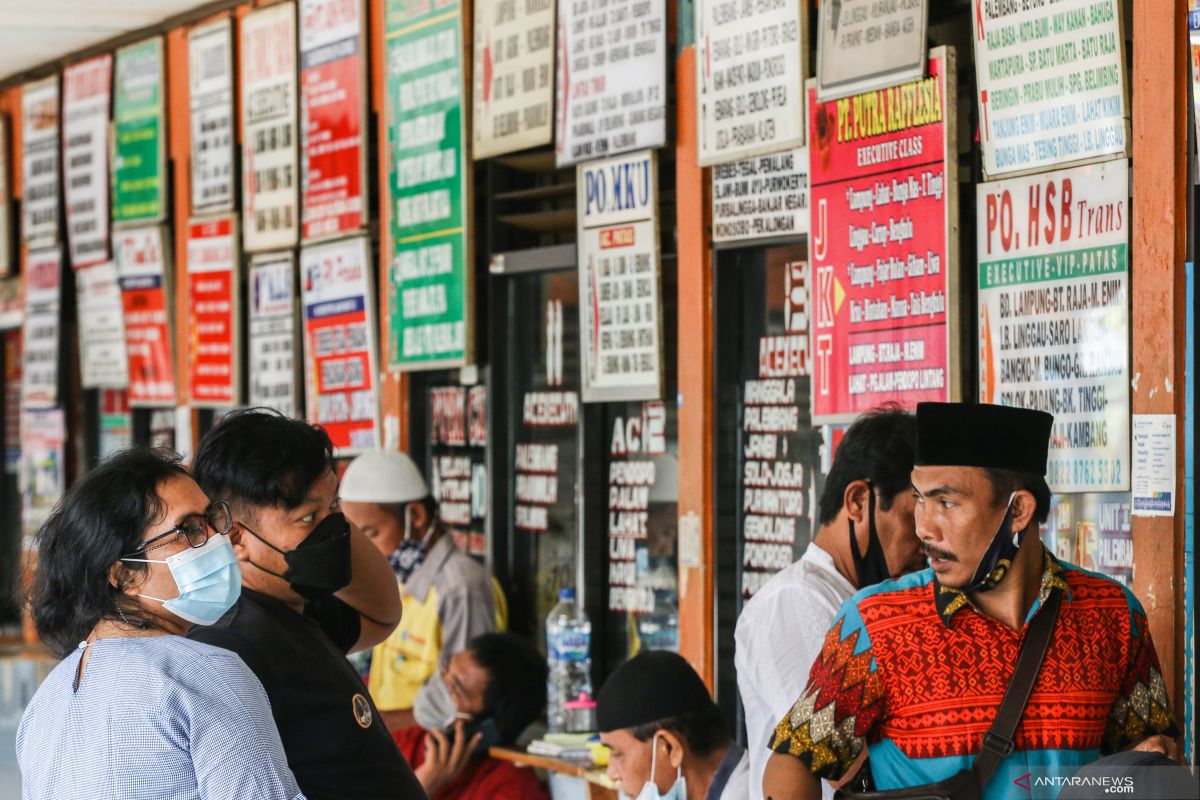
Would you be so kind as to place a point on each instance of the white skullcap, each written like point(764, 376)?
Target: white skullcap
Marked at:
point(383, 476)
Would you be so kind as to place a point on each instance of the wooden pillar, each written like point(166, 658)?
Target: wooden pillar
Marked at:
point(1160, 186)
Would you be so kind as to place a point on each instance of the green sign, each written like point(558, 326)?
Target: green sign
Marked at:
point(138, 186)
point(429, 287)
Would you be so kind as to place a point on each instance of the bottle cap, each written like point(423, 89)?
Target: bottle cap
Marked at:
point(566, 593)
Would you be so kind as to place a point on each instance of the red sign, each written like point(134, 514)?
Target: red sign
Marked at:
point(881, 260)
point(332, 108)
point(12, 400)
point(144, 283)
point(212, 312)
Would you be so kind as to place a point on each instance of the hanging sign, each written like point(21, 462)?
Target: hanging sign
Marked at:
point(101, 323)
point(274, 360)
point(210, 81)
point(6, 248)
point(43, 320)
point(333, 110)
point(339, 342)
point(43, 478)
point(429, 285)
point(1053, 254)
point(139, 186)
point(751, 60)
point(514, 76)
point(12, 309)
point(761, 197)
point(612, 78)
point(39, 160)
point(213, 293)
point(86, 97)
point(864, 45)
point(147, 295)
point(11, 340)
point(884, 222)
point(620, 311)
point(1051, 80)
point(458, 478)
point(269, 151)
point(116, 423)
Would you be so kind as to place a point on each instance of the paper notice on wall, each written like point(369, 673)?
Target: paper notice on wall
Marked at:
point(210, 77)
point(1154, 465)
point(620, 311)
point(514, 76)
point(147, 293)
point(761, 197)
point(751, 62)
point(612, 78)
point(86, 97)
point(39, 162)
point(274, 354)
point(214, 285)
point(139, 183)
point(1051, 83)
point(43, 475)
point(864, 45)
point(43, 323)
point(1053, 256)
point(270, 160)
point(101, 322)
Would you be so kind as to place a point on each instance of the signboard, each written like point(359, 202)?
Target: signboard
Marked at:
point(1051, 80)
point(751, 60)
point(761, 197)
point(864, 45)
point(39, 161)
point(116, 423)
point(339, 342)
point(514, 76)
point(147, 296)
point(100, 317)
point(333, 110)
point(86, 98)
point(210, 81)
point(612, 78)
point(6, 248)
point(274, 350)
point(139, 186)
point(43, 478)
point(214, 368)
point(269, 153)
point(884, 247)
point(429, 283)
point(458, 463)
point(12, 309)
point(43, 321)
point(620, 305)
point(1053, 254)
point(12, 400)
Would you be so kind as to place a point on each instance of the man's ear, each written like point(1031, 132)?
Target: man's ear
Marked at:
point(855, 500)
point(418, 516)
point(674, 750)
point(1024, 506)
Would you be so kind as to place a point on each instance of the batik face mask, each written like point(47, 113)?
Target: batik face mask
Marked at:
point(998, 558)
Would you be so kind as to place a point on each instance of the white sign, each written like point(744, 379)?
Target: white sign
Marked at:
point(612, 78)
point(210, 80)
point(270, 154)
point(1153, 465)
point(274, 360)
point(86, 97)
point(514, 76)
point(1053, 254)
point(6, 259)
point(101, 319)
point(620, 315)
point(761, 197)
point(864, 45)
point(1051, 83)
point(751, 61)
point(39, 158)
point(43, 288)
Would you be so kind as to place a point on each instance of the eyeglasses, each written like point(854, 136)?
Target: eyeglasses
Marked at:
point(194, 528)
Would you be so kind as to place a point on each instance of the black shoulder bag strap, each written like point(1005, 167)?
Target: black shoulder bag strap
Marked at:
point(998, 741)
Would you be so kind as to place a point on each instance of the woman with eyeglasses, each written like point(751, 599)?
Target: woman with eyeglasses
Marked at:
point(131, 558)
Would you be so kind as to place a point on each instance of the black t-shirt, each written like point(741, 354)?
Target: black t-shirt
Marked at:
point(335, 740)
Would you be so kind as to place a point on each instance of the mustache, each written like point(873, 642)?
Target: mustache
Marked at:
point(937, 552)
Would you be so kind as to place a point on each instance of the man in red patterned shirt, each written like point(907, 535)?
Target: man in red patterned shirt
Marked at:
point(913, 669)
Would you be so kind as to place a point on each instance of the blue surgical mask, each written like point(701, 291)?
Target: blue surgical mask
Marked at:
point(678, 790)
point(208, 579)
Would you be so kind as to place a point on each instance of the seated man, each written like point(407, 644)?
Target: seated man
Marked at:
point(485, 697)
point(448, 597)
point(662, 728)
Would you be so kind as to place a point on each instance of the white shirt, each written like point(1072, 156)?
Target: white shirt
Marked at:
point(778, 636)
point(732, 781)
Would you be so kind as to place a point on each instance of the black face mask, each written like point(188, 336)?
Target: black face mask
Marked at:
point(871, 568)
point(998, 558)
point(320, 565)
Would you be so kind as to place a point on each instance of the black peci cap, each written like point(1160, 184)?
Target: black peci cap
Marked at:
point(650, 687)
point(981, 435)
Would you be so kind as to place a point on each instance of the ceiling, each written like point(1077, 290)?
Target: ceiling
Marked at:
point(33, 32)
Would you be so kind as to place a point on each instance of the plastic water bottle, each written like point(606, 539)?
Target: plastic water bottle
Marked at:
point(568, 650)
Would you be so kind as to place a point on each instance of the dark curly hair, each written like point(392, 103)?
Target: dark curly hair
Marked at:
point(102, 517)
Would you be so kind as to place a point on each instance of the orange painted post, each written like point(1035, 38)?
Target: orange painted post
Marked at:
point(1159, 248)
point(179, 144)
point(695, 367)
